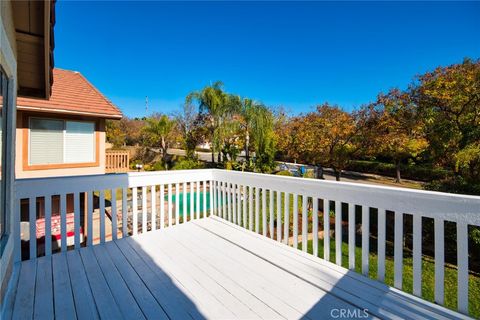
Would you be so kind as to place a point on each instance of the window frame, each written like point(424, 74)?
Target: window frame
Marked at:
point(26, 142)
point(5, 84)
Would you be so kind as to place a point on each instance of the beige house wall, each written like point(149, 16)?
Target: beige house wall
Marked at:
point(22, 173)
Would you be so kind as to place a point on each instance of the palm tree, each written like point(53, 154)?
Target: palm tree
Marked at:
point(249, 110)
point(217, 104)
point(159, 130)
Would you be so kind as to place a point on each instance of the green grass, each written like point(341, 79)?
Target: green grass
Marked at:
point(428, 276)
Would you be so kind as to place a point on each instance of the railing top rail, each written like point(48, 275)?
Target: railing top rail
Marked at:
point(454, 207)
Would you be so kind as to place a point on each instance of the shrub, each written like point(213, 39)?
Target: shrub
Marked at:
point(284, 173)
point(186, 164)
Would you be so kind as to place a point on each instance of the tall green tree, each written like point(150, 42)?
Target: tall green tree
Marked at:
point(159, 132)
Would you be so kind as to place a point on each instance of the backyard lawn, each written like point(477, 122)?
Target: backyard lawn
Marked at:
point(428, 276)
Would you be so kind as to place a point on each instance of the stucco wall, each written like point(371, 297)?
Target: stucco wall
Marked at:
point(21, 173)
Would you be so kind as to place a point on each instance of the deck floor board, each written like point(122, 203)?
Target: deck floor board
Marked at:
point(203, 269)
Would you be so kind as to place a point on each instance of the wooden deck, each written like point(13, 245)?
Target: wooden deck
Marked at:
point(206, 268)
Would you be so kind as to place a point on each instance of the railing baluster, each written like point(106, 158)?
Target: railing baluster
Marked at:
point(365, 239)
point(250, 208)
point(229, 202)
point(32, 215)
point(326, 229)
point(257, 210)
point(417, 255)
point(351, 236)
point(124, 212)
point(239, 205)
point(48, 225)
point(315, 226)
point(153, 200)
point(381, 244)
point(101, 211)
point(192, 199)
point(205, 199)
point(279, 216)
point(286, 231)
point(462, 261)
point(264, 212)
point(169, 205)
point(162, 206)
point(63, 221)
point(184, 200)
point(304, 223)
point(113, 207)
point(272, 195)
point(144, 209)
point(439, 260)
point(76, 219)
point(135, 210)
point(89, 218)
point(197, 212)
point(338, 233)
point(295, 221)
point(234, 203)
point(224, 200)
point(177, 203)
point(398, 250)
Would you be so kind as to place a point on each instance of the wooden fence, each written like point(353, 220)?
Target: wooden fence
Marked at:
point(117, 161)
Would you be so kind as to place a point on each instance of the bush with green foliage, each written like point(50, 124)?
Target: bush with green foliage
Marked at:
point(186, 164)
point(284, 173)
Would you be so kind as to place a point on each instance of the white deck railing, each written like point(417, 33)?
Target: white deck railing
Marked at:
point(264, 204)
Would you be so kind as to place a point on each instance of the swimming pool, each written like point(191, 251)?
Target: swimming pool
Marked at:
point(188, 195)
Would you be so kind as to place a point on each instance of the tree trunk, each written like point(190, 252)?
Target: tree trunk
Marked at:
point(319, 172)
point(213, 153)
point(337, 173)
point(397, 167)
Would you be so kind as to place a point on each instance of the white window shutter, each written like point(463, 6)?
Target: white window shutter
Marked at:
point(79, 142)
point(46, 141)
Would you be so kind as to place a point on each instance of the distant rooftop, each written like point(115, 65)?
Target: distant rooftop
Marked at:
point(72, 94)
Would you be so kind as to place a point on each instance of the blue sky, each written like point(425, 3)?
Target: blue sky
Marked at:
point(294, 55)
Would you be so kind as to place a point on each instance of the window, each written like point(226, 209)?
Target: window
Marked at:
point(3, 106)
point(54, 141)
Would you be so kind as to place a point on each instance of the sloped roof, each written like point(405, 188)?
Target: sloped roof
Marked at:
point(72, 94)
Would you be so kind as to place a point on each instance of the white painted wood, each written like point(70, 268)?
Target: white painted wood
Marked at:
point(205, 213)
point(224, 201)
point(381, 244)
point(101, 211)
point(271, 218)
point(24, 298)
point(212, 199)
point(365, 239)
point(315, 226)
point(295, 221)
point(279, 216)
point(120, 291)
point(114, 213)
point(153, 200)
point(234, 202)
point(197, 212)
point(177, 203)
point(63, 221)
point(184, 201)
point(286, 226)
point(250, 208)
point(398, 250)
point(192, 201)
point(76, 219)
point(326, 229)
point(462, 261)
point(169, 205)
point(229, 202)
point(82, 295)
point(351, 236)
point(63, 297)
point(417, 255)
point(162, 206)
point(239, 205)
point(106, 305)
point(257, 210)
point(439, 261)
point(264, 212)
point(244, 206)
point(124, 213)
point(48, 225)
point(32, 214)
point(338, 232)
point(144, 209)
point(44, 290)
point(304, 223)
point(134, 211)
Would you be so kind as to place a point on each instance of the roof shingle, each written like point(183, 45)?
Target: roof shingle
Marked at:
point(72, 94)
